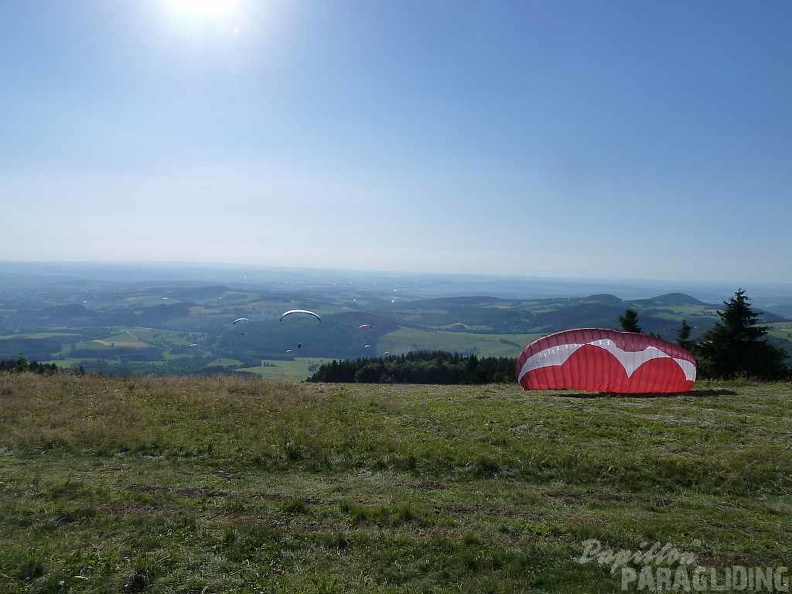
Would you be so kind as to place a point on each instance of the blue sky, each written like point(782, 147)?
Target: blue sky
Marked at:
point(589, 139)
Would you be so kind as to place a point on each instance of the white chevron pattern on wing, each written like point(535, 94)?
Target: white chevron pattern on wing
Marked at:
point(630, 360)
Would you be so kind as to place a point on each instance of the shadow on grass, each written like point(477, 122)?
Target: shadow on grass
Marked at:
point(693, 393)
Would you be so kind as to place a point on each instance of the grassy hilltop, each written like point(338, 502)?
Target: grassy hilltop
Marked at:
point(229, 484)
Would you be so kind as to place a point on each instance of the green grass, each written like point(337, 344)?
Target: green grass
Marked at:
point(228, 484)
point(780, 330)
point(405, 340)
point(297, 369)
point(125, 339)
point(681, 312)
point(225, 361)
point(37, 335)
point(159, 336)
point(90, 345)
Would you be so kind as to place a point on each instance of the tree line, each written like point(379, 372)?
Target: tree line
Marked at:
point(22, 365)
point(734, 347)
point(421, 367)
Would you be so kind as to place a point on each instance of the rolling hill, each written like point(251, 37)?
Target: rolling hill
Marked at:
point(175, 329)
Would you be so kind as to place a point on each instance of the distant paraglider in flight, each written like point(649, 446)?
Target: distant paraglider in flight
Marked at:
point(242, 321)
point(603, 360)
point(292, 312)
point(365, 326)
point(299, 311)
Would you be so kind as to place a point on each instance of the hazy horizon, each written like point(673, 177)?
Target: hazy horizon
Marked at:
point(409, 283)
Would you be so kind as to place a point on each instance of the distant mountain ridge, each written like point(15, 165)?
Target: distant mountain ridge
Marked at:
point(672, 299)
point(660, 315)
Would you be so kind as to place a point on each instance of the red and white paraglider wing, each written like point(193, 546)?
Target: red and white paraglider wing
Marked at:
point(603, 360)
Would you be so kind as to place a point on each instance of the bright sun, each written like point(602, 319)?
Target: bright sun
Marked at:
point(204, 8)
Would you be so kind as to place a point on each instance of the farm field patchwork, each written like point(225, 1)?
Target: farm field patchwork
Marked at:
point(405, 340)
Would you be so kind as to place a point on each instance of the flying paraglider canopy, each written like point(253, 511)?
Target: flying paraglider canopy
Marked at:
point(299, 311)
point(238, 320)
point(603, 360)
point(365, 326)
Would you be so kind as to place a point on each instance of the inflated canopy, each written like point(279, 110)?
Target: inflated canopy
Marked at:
point(603, 360)
point(238, 320)
point(299, 311)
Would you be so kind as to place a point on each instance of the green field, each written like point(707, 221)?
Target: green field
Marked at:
point(123, 339)
point(161, 336)
point(405, 340)
point(225, 362)
point(298, 369)
point(780, 330)
point(35, 335)
point(231, 484)
point(685, 312)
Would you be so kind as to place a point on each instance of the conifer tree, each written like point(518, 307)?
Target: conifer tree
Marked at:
point(629, 321)
point(683, 336)
point(737, 346)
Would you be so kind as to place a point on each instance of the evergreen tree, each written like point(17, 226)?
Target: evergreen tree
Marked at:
point(683, 336)
point(629, 321)
point(737, 346)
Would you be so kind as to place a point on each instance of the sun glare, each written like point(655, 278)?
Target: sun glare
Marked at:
point(204, 8)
